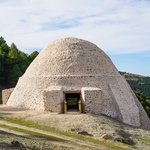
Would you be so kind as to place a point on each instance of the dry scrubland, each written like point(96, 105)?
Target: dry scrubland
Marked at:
point(94, 126)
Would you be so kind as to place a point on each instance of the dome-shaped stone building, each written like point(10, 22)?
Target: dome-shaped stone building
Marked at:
point(73, 70)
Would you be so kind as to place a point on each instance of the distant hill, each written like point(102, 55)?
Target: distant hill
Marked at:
point(138, 82)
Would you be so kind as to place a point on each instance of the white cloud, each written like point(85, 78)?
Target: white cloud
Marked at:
point(116, 26)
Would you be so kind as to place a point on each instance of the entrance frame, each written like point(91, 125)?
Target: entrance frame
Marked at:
point(79, 102)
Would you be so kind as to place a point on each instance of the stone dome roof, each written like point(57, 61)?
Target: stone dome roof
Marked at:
point(78, 67)
point(71, 56)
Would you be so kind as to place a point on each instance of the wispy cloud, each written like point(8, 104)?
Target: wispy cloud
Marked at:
point(58, 23)
point(116, 26)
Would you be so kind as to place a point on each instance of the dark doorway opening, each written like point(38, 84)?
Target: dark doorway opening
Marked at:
point(72, 101)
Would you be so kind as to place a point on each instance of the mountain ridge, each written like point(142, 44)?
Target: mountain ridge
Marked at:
point(138, 82)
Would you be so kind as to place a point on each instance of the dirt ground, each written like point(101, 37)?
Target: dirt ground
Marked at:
point(96, 126)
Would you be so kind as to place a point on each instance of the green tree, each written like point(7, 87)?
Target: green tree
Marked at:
point(4, 50)
point(3, 45)
point(23, 61)
point(13, 62)
point(33, 55)
point(145, 101)
point(15, 74)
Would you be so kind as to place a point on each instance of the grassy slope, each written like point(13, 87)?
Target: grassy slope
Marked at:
point(110, 145)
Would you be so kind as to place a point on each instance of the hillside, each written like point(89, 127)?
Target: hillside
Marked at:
point(138, 82)
point(80, 131)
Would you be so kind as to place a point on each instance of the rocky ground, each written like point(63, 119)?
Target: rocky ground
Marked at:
point(96, 126)
point(11, 141)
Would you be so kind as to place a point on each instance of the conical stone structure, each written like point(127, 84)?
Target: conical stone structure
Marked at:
point(74, 70)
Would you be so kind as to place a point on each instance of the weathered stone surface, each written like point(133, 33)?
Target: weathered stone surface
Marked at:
point(75, 65)
point(5, 95)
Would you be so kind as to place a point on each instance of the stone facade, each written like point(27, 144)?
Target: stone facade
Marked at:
point(75, 65)
point(6, 94)
point(53, 99)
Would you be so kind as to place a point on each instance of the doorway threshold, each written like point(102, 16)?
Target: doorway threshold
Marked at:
point(73, 111)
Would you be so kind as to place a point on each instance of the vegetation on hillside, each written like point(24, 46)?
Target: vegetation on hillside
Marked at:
point(138, 83)
point(145, 101)
point(13, 63)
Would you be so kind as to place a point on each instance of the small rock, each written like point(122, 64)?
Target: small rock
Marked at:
point(85, 133)
point(117, 139)
point(128, 141)
point(107, 137)
point(15, 143)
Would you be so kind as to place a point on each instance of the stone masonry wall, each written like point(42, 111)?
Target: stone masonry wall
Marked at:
point(53, 99)
point(116, 102)
point(92, 99)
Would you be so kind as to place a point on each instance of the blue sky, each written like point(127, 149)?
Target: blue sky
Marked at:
point(119, 27)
